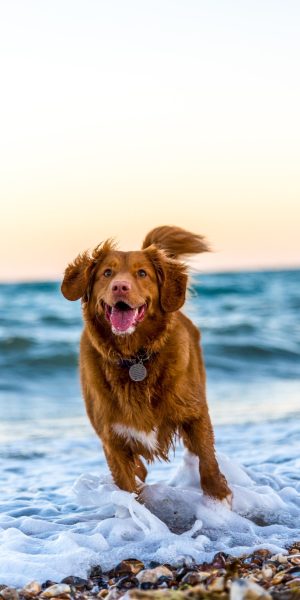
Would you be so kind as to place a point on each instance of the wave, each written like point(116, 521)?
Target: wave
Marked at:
point(251, 351)
point(16, 343)
point(244, 318)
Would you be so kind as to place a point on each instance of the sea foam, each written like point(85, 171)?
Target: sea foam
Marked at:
point(97, 523)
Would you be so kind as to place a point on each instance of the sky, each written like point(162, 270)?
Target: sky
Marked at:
point(120, 116)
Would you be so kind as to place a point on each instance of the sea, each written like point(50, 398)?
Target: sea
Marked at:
point(61, 513)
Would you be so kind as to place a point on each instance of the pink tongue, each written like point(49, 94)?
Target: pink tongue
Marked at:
point(122, 319)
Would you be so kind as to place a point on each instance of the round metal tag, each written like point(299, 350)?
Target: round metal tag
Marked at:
point(137, 372)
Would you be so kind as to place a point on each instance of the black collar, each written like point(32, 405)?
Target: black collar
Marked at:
point(140, 357)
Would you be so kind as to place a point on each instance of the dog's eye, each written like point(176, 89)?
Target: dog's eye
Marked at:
point(141, 273)
point(107, 273)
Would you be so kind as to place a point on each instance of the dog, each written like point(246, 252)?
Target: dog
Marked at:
point(141, 365)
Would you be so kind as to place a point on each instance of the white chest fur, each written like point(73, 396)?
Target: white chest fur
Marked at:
point(148, 440)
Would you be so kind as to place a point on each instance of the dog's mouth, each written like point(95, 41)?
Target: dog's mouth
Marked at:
point(123, 317)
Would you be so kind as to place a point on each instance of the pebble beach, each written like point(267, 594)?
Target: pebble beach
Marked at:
point(258, 575)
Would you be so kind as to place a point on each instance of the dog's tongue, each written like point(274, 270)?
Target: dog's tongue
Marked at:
point(122, 319)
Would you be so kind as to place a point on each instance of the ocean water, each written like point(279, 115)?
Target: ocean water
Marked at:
point(60, 513)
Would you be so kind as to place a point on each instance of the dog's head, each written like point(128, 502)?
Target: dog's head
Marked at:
point(126, 290)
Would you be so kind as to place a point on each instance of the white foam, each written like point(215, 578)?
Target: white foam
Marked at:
point(42, 539)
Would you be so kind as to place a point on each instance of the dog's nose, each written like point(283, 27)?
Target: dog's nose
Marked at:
point(121, 287)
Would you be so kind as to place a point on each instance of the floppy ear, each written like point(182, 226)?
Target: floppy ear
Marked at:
point(76, 277)
point(172, 278)
point(78, 274)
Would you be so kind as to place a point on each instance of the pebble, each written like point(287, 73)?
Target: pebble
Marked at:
point(182, 571)
point(217, 584)
point(9, 593)
point(263, 552)
point(127, 582)
point(164, 581)
point(31, 589)
point(152, 575)
point(243, 589)
point(267, 572)
point(95, 572)
point(293, 572)
point(147, 585)
point(219, 560)
point(131, 565)
point(278, 578)
point(294, 583)
point(77, 582)
point(58, 589)
point(281, 558)
point(114, 594)
point(259, 576)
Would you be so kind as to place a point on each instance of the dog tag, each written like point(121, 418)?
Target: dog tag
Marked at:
point(137, 372)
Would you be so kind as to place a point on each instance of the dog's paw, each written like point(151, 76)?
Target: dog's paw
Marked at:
point(140, 489)
point(227, 501)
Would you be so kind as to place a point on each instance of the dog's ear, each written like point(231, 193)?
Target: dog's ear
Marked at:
point(79, 274)
point(76, 277)
point(172, 278)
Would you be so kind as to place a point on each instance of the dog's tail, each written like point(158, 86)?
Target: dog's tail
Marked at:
point(176, 242)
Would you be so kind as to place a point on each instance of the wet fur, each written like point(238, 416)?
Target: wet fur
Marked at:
point(172, 399)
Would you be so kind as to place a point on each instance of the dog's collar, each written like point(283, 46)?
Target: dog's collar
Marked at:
point(141, 356)
point(135, 364)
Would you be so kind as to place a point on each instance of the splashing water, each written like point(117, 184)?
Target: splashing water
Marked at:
point(60, 513)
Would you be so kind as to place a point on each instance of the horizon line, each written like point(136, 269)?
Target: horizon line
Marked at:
point(193, 271)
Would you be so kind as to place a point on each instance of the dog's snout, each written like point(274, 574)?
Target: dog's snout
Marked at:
point(121, 287)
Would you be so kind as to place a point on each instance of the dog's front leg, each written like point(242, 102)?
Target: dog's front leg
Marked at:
point(198, 437)
point(121, 462)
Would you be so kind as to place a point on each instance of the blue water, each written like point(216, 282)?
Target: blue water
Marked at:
point(250, 334)
point(251, 338)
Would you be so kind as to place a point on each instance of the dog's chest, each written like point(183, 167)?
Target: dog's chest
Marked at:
point(147, 439)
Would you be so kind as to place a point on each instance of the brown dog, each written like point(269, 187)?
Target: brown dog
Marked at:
point(142, 371)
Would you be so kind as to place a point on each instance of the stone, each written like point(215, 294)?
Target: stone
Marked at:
point(31, 589)
point(147, 585)
point(127, 582)
point(194, 577)
point(114, 594)
point(263, 552)
point(9, 593)
point(195, 593)
point(95, 571)
point(130, 565)
point(278, 577)
point(77, 582)
point(293, 572)
point(219, 560)
point(217, 584)
point(58, 589)
point(243, 589)
point(267, 572)
point(182, 571)
point(294, 584)
point(152, 575)
point(281, 558)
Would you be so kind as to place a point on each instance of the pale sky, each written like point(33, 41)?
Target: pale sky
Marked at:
point(120, 115)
